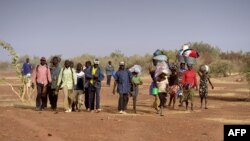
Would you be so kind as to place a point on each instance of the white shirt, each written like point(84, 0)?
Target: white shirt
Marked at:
point(80, 74)
point(162, 85)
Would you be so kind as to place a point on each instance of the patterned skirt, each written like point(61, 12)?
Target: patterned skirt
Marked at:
point(203, 91)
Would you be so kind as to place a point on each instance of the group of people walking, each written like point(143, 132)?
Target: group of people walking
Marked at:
point(178, 80)
point(73, 82)
point(81, 85)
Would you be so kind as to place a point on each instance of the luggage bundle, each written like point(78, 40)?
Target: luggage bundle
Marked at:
point(187, 55)
point(136, 68)
point(204, 68)
point(162, 66)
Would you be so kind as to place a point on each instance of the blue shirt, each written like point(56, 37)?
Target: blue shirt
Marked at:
point(26, 68)
point(123, 79)
point(99, 72)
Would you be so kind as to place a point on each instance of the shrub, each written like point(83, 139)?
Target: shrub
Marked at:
point(221, 68)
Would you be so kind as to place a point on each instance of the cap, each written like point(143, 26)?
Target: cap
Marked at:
point(96, 62)
point(43, 58)
point(121, 63)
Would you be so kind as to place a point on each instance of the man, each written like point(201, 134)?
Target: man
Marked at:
point(26, 72)
point(67, 81)
point(123, 82)
point(86, 85)
point(26, 69)
point(55, 70)
point(95, 76)
point(109, 71)
point(189, 82)
point(41, 76)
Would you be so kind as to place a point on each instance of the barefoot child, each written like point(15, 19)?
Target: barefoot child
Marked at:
point(203, 89)
point(136, 81)
point(78, 100)
point(173, 86)
point(162, 84)
point(180, 72)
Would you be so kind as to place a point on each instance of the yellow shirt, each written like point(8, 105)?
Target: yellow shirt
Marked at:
point(93, 73)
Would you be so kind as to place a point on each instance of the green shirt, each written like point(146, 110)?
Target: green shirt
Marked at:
point(136, 80)
point(67, 78)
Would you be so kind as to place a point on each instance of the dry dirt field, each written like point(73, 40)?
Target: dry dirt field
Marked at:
point(227, 104)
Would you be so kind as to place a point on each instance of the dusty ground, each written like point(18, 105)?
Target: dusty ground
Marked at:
point(227, 105)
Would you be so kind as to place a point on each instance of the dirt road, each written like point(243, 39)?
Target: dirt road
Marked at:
point(226, 105)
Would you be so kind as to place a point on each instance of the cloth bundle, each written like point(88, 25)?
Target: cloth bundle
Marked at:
point(204, 68)
point(187, 55)
point(162, 66)
point(136, 68)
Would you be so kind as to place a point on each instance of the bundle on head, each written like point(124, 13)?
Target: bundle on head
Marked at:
point(204, 68)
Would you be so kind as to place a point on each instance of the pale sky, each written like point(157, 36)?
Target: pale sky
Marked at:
point(99, 27)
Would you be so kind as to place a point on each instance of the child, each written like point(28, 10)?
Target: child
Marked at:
point(180, 72)
point(136, 81)
point(203, 89)
point(162, 84)
point(173, 86)
point(79, 89)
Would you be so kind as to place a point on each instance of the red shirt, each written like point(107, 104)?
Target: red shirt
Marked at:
point(189, 77)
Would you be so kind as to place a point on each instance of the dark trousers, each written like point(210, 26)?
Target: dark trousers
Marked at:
point(53, 98)
point(123, 101)
point(86, 98)
point(163, 99)
point(41, 99)
point(108, 80)
point(94, 97)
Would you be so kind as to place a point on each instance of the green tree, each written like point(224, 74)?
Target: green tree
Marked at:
point(171, 54)
point(208, 53)
point(117, 54)
point(221, 68)
point(246, 68)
